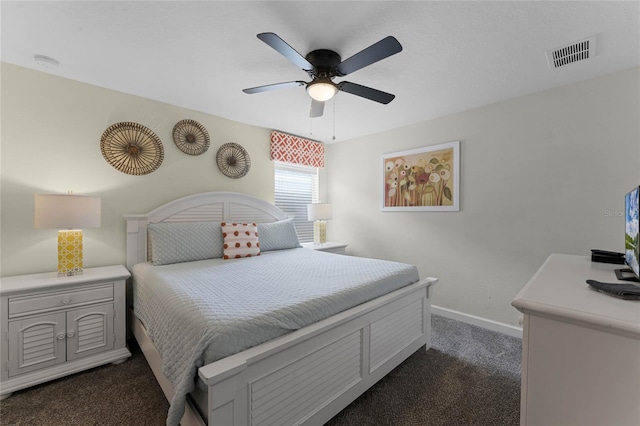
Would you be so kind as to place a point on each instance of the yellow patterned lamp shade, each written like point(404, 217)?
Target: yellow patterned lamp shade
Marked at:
point(319, 213)
point(71, 212)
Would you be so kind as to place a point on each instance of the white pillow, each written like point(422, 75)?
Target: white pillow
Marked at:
point(278, 235)
point(240, 240)
point(175, 242)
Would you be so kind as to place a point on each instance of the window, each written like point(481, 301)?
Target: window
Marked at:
point(295, 187)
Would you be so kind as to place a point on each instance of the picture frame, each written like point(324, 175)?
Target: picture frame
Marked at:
point(422, 179)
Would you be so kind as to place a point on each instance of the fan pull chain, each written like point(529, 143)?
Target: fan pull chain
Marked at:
point(334, 119)
point(311, 126)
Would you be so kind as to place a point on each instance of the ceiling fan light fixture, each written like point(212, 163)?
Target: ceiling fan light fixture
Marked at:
point(322, 90)
point(322, 65)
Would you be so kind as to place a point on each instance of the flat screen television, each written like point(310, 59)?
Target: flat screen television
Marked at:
point(631, 246)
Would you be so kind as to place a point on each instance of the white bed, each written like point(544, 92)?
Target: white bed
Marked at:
point(364, 342)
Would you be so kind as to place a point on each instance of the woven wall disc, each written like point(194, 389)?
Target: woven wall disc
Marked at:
point(132, 148)
point(233, 160)
point(191, 137)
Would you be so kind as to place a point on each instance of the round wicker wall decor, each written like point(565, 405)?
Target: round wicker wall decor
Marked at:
point(132, 148)
point(233, 160)
point(191, 137)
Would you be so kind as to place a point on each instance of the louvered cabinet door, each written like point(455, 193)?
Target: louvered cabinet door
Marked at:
point(89, 331)
point(36, 343)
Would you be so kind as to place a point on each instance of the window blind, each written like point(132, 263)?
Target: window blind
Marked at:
point(295, 187)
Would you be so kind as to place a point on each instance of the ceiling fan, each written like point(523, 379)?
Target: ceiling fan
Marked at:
point(324, 65)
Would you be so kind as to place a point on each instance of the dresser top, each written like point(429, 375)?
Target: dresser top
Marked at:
point(50, 280)
point(559, 289)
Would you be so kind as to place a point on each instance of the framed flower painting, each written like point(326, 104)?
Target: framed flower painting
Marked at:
point(422, 179)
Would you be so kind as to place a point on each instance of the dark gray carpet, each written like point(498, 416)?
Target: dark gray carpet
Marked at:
point(470, 376)
point(124, 394)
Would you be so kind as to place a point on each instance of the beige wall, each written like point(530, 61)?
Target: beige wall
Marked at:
point(540, 174)
point(51, 129)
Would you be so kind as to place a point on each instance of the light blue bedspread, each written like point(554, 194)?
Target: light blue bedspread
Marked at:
point(199, 312)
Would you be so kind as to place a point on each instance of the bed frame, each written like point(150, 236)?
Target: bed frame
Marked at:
point(304, 377)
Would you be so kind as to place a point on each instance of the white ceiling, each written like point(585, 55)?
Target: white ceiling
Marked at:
point(200, 55)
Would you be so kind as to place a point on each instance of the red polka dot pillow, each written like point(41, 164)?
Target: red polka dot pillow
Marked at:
point(240, 240)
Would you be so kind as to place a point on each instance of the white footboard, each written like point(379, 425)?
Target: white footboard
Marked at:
point(310, 375)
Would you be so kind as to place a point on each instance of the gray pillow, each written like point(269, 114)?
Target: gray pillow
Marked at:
point(175, 242)
point(278, 235)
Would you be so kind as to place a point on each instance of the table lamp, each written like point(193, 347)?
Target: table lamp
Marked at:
point(319, 213)
point(70, 212)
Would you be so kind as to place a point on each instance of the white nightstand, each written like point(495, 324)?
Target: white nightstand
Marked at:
point(54, 326)
point(338, 248)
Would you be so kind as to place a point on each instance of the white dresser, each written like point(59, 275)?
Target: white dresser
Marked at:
point(54, 326)
point(580, 348)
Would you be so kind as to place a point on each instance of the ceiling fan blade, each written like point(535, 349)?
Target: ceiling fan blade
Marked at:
point(366, 92)
point(376, 52)
point(276, 86)
point(317, 108)
point(281, 46)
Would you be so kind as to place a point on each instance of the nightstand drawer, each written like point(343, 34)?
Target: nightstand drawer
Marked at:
point(44, 302)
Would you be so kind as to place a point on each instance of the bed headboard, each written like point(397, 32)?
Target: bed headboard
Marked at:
point(204, 207)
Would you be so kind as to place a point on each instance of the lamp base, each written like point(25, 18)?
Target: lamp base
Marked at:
point(70, 273)
point(69, 252)
point(319, 232)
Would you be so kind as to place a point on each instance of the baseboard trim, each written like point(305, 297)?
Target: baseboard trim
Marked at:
point(500, 327)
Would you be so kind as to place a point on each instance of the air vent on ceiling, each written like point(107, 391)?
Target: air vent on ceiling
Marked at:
point(578, 51)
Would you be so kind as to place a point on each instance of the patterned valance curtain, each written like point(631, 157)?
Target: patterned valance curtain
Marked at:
point(296, 150)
